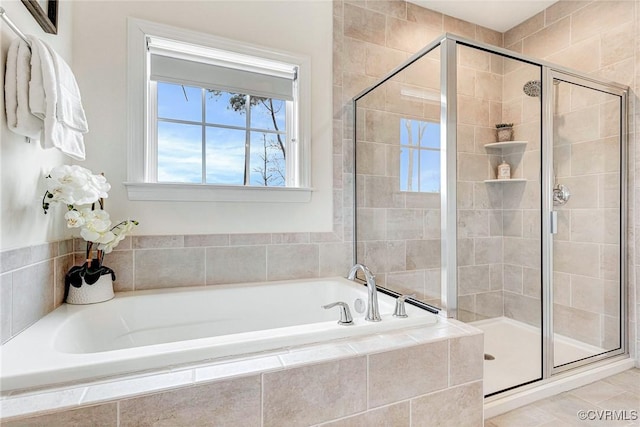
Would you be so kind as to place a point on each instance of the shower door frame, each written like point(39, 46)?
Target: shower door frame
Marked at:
point(549, 74)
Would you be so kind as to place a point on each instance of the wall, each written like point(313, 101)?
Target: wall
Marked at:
point(601, 38)
point(22, 165)
point(102, 78)
point(32, 274)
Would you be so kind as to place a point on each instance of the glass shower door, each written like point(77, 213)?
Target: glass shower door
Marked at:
point(588, 199)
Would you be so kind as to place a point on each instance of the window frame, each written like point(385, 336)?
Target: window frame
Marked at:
point(142, 152)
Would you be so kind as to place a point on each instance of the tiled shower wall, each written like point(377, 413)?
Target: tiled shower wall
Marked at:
point(601, 38)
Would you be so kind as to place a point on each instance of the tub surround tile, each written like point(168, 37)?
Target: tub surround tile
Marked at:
point(400, 374)
point(230, 402)
point(397, 415)
point(223, 370)
point(463, 368)
point(154, 242)
point(206, 240)
point(296, 397)
point(465, 401)
point(6, 291)
point(142, 384)
point(32, 294)
point(101, 416)
point(236, 264)
point(166, 268)
point(38, 402)
point(292, 261)
point(62, 265)
point(380, 342)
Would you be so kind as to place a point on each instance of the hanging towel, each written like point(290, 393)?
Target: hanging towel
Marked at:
point(54, 96)
point(16, 91)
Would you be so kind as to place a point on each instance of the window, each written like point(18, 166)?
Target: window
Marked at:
point(419, 156)
point(221, 119)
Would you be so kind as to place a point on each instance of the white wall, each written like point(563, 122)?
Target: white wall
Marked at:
point(100, 57)
point(22, 165)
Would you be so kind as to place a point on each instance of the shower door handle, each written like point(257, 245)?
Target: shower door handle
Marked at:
point(553, 220)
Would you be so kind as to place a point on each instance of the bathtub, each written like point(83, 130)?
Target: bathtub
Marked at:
point(150, 330)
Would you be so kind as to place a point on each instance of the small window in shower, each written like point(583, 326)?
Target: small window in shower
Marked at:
point(419, 156)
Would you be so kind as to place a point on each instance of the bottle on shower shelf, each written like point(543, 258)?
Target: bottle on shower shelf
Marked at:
point(504, 170)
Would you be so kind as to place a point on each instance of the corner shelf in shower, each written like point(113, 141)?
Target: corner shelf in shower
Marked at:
point(491, 181)
point(506, 144)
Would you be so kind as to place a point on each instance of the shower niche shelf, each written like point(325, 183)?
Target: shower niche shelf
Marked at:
point(506, 144)
point(495, 181)
point(498, 146)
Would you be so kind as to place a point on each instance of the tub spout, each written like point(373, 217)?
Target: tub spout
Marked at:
point(373, 311)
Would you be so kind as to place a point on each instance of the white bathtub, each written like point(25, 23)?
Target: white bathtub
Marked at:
point(154, 329)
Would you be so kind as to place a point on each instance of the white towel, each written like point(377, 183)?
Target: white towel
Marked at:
point(16, 91)
point(54, 95)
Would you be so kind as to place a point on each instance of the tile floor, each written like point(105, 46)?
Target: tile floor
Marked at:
point(612, 396)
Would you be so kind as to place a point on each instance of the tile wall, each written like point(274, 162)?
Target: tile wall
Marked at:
point(601, 38)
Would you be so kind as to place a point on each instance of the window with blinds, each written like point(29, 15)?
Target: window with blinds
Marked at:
point(221, 117)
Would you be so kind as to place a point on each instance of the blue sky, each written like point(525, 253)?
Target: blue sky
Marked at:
point(180, 144)
point(426, 163)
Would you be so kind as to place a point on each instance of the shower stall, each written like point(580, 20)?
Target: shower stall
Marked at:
point(534, 256)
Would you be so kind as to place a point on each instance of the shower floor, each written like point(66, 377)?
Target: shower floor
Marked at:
point(516, 348)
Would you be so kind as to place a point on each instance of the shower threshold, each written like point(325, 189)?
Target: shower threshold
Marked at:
point(514, 350)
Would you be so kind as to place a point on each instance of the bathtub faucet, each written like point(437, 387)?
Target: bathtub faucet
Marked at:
point(373, 312)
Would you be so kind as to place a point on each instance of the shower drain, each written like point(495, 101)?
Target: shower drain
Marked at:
point(488, 357)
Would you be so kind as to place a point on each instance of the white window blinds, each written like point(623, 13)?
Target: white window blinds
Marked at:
point(183, 63)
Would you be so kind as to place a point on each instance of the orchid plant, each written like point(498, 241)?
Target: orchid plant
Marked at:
point(81, 190)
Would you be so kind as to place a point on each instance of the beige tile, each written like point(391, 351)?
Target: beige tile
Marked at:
point(296, 397)
point(473, 223)
point(395, 8)
point(371, 158)
point(524, 29)
point(206, 240)
point(561, 288)
point(474, 58)
point(239, 264)
point(488, 250)
point(532, 282)
point(615, 44)
point(473, 279)
point(513, 281)
point(281, 238)
point(561, 9)
point(521, 308)
point(281, 267)
point(600, 16)
point(599, 156)
point(459, 27)
point(577, 324)
point(407, 372)
point(527, 416)
point(380, 60)
point(100, 416)
point(121, 262)
point(12, 259)
point(489, 304)
point(628, 380)
point(335, 258)
point(423, 73)
point(371, 224)
point(167, 268)
point(404, 224)
point(382, 126)
point(582, 258)
point(473, 167)
point(488, 86)
point(62, 265)
point(421, 254)
point(230, 402)
point(525, 252)
point(582, 56)
point(473, 111)
point(151, 242)
point(597, 392)
point(5, 306)
point(455, 407)
point(353, 55)
point(393, 415)
point(363, 24)
point(487, 35)
point(246, 239)
point(426, 17)
point(32, 291)
point(382, 192)
point(408, 36)
point(465, 359)
point(549, 40)
point(466, 252)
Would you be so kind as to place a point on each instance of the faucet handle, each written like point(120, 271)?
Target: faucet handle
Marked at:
point(345, 313)
point(400, 310)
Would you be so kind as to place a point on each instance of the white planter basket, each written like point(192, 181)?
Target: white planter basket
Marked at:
point(100, 291)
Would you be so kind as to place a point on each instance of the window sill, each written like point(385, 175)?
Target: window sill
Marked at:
point(215, 193)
